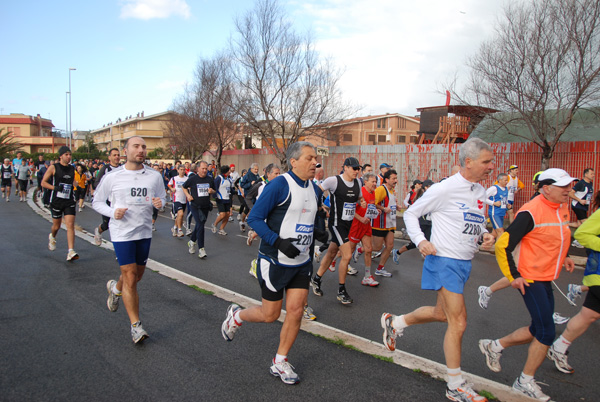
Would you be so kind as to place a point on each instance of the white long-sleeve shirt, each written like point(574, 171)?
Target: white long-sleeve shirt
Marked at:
point(456, 206)
point(134, 190)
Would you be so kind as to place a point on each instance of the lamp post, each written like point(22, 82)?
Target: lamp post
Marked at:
point(67, 115)
point(70, 125)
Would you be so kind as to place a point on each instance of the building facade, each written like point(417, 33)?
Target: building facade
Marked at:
point(33, 132)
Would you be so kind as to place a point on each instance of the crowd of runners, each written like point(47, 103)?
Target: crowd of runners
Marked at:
point(301, 217)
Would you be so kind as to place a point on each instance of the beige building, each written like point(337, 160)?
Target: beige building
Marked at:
point(150, 128)
point(33, 132)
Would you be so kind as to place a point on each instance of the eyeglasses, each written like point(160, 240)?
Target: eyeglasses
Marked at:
point(355, 168)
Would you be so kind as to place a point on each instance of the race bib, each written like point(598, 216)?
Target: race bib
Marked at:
point(348, 211)
point(588, 198)
point(202, 189)
point(65, 192)
point(393, 213)
point(372, 212)
point(138, 196)
point(304, 236)
point(473, 227)
point(503, 202)
point(6, 175)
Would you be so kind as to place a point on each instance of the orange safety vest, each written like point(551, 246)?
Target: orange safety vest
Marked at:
point(542, 252)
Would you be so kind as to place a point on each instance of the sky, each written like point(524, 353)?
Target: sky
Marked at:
point(136, 55)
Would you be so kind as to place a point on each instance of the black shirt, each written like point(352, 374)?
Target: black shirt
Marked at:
point(198, 188)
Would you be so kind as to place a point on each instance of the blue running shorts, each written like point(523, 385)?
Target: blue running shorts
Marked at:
point(445, 272)
point(132, 252)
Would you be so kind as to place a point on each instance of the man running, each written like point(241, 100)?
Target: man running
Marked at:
point(541, 232)
point(498, 196)
point(197, 190)
point(581, 195)
point(284, 217)
point(514, 186)
point(132, 190)
point(62, 199)
point(179, 200)
point(7, 172)
point(23, 174)
point(223, 186)
point(456, 208)
point(114, 161)
point(384, 226)
point(344, 193)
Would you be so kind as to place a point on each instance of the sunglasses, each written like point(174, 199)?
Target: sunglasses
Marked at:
point(355, 168)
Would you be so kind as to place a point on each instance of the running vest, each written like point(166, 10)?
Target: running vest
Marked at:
point(343, 203)
point(6, 171)
point(386, 220)
point(224, 189)
point(63, 183)
point(502, 196)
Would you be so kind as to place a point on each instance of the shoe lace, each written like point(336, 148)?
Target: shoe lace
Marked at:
point(286, 367)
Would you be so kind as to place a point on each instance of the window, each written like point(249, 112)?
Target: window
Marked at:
point(400, 139)
point(372, 138)
point(401, 123)
point(14, 130)
point(381, 123)
point(413, 139)
point(347, 137)
point(381, 138)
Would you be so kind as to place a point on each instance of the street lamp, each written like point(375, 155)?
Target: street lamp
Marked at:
point(67, 115)
point(70, 125)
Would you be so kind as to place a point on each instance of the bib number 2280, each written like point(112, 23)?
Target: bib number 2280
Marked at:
point(473, 229)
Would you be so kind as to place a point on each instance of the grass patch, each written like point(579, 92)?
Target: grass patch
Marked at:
point(385, 359)
point(418, 371)
point(203, 291)
point(488, 395)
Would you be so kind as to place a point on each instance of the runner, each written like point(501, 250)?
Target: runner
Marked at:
point(384, 167)
point(7, 173)
point(23, 174)
point(80, 185)
point(581, 195)
point(541, 232)
point(15, 163)
point(588, 235)
point(344, 192)
point(132, 190)
point(456, 208)
point(223, 186)
point(179, 200)
point(283, 217)
point(114, 159)
point(498, 195)
point(415, 189)
point(62, 199)
point(197, 190)
point(514, 186)
point(384, 226)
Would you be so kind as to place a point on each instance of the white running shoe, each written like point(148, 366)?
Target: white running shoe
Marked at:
point(376, 254)
point(559, 319)
point(137, 332)
point(560, 360)
point(239, 217)
point(317, 255)
point(180, 233)
point(355, 255)
point(153, 227)
point(285, 371)
point(352, 271)
point(242, 227)
point(250, 238)
point(253, 268)
point(483, 297)
point(230, 326)
point(188, 232)
point(530, 389)
point(51, 242)
point(332, 266)
point(213, 228)
point(202, 253)
point(492, 359)
point(576, 244)
point(174, 231)
point(369, 281)
point(464, 393)
point(230, 219)
point(389, 333)
point(383, 272)
point(113, 299)
point(192, 247)
point(97, 237)
point(309, 314)
point(222, 232)
point(72, 255)
point(574, 292)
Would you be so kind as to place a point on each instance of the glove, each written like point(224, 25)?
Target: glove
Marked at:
point(321, 236)
point(287, 247)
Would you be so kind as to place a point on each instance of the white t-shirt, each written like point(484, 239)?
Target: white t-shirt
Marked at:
point(456, 206)
point(134, 190)
point(177, 183)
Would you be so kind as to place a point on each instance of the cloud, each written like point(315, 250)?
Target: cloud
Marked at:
point(149, 9)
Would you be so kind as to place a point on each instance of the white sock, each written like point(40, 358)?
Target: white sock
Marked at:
point(399, 322)
point(488, 291)
point(525, 378)
point(455, 378)
point(279, 358)
point(237, 317)
point(561, 344)
point(496, 346)
point(115, 290)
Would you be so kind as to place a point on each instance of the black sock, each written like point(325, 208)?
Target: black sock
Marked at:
point(342, 288)
point(317, 278)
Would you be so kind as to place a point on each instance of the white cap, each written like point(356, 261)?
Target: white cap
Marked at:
point(556, 177)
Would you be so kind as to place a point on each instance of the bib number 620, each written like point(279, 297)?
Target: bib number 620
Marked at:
point(139, 192)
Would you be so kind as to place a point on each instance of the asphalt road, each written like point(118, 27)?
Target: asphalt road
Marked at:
point(60, 340)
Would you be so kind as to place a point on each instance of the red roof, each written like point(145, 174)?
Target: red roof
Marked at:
point(25, 120)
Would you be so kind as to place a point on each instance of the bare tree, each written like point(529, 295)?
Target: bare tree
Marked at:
point(283, 90)
point(540, 69)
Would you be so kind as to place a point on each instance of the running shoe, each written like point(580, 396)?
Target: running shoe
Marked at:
point(250, 237)
point(576, 244)
point(202, 253)
point(239, 217)
point(230, 326)
point(7, 199)
point(560, 360)
point(530, 389)
point(369, 281)
point(317, 255)
point(137, 332)
point(483, 297)
point(352, 271)
point(180, 233)
point(355, 255)
point(559, 319)
point(188, 232)
point(51, 242)
point(464, 393)
point(97, 237)
point(230, 219)
point(174, 231)
point(172, 215)
point(72, 255)
point(153, 227)
point(376, 254)
point(344, 297)
point(285, 371)
point(383, 272)
point(253, 268)
point(492, 359)
point(574, 292)
point(222, 232)
point(113, 299)
point(309, 314)
point(316, 286)
point(389, 333)
point(396, 256)
point(80, 210)
point(213, 228)
point(332, 266)
point(192, 247)
point(242, 227)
